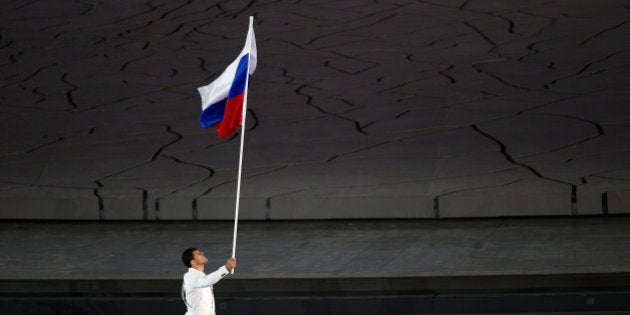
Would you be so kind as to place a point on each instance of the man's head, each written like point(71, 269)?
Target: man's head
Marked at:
point(193, 257)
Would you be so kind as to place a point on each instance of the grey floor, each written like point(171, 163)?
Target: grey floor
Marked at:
point(561, 265)
point(318, 249)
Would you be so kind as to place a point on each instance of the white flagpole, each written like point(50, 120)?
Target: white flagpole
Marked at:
point(240, 158)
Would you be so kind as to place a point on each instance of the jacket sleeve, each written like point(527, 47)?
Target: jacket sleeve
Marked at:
point(210, 278)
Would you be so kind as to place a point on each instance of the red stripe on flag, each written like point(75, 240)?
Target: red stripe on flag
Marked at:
point(232, 118)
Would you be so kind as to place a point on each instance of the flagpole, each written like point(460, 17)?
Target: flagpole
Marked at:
point(240, 158)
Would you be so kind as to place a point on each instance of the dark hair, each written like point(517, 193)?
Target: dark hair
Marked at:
point(187, 256)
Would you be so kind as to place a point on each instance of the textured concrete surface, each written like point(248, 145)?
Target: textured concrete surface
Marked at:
point(359, 109)
point(318, 249)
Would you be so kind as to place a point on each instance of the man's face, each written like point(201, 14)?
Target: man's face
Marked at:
point(199, 258)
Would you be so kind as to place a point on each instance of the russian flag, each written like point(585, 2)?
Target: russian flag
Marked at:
point(224, 101)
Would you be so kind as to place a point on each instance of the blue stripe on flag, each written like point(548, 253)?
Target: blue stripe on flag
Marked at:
point(214, 113)
point(240, 78)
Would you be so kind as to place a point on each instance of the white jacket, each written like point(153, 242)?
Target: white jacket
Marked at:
point(197, 290)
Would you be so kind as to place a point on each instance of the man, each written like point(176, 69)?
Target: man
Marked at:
point(197, 288)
